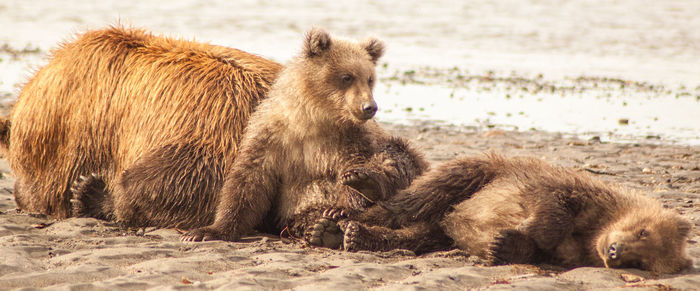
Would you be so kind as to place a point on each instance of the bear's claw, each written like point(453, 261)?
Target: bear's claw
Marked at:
point(351, 237)
point(85, 189)
point(334, 214)
point(204, 234)
point(360, 180)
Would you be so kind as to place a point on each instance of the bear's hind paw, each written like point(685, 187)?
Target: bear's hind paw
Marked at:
point(325, 233)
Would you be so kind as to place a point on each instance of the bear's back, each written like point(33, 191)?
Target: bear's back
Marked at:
point(114, 95)
point(127, 91)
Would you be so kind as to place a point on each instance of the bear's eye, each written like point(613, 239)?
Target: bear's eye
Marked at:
point(370, 81)
point(347, 79)
point(643, 234)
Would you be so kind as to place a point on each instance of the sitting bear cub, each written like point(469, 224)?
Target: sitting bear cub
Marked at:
point(312, 144)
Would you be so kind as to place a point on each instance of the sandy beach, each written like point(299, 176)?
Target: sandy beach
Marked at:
point(88, 254)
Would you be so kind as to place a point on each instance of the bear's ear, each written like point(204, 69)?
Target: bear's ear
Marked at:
point(375, 48)
point(317, 41)
point(684, 227)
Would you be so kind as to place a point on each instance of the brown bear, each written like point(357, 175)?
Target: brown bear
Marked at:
point(521, 210)
point(4, 136)
point(158, 123)
point(118, 99)
point(313, 134)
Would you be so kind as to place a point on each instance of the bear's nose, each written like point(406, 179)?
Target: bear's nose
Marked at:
point(369, 109)
point(614, 251)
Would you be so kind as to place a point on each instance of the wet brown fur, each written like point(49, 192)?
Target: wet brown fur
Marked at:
point(157, 119)
point(308, 140)
point(4, 136)
point(522, 210)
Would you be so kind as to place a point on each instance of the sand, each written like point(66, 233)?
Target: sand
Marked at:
point(84, 253)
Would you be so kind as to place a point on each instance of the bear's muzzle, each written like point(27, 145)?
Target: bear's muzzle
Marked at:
point(369, 108)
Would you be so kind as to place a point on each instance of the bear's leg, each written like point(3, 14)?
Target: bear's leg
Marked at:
point(433, 194)
point(418, 208)
point(419, 237)
point(90, 198)
point(42, 196)
point(366, 182)
point(392, 168)
point(513, 247)
point(246, 196)
point(20, 194)
point(400, 163)
point(174, 186)
point(548, 225)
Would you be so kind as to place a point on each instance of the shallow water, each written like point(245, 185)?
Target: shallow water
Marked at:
point(632, 40)
point(584, 114)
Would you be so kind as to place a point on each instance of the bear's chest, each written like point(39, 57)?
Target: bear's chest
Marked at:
point(310, 171)
point(322, 159)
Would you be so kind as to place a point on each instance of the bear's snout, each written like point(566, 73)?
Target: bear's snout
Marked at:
point(369, 108)
point(614, 251)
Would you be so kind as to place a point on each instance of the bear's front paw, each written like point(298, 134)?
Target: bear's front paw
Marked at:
point(205, 234)
point(334, 214)
point(361, 180)
point(325, 233)
point(86, 192)
point(512, 247)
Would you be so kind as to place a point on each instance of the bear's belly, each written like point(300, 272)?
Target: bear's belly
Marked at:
point(293, 199)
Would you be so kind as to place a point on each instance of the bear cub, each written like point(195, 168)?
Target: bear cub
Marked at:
point(312, 144)
point(522, 210)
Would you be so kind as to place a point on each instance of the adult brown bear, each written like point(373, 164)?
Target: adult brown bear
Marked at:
point(116, 99)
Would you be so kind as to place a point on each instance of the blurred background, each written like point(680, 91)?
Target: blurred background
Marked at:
point(626, 70)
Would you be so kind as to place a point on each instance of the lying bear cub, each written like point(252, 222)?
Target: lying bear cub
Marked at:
point(518, 210)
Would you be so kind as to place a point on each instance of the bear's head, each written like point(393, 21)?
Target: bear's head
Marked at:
point(646, 239)
point(338, 75)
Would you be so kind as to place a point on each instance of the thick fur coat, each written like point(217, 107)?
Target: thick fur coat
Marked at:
point(312, 144)
point(150, 116)
point(522, 210)
point(146, 131)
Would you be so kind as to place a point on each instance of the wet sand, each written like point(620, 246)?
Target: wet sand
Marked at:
point(83, 253)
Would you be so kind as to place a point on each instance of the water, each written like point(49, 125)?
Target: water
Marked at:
point(633, 40)
point(583, 114)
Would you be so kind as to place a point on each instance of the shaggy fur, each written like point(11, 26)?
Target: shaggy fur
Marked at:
point(524, 211)
point(158, 120)
point(144, 130)
point(4, 136)
point(311, 138)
